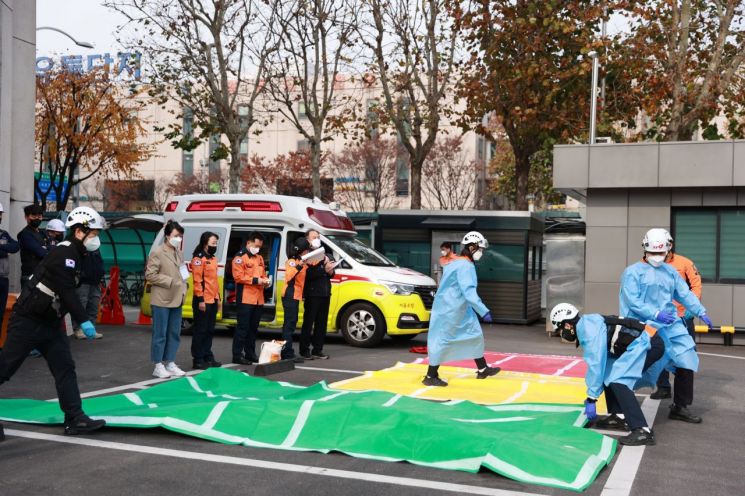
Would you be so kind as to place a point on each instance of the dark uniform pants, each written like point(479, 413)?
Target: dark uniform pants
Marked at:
point(4, 285)
point(315, 321)
point(620, 399)
point(204, 329)
point(244, 339)
point(291, 306)
point(24, 335)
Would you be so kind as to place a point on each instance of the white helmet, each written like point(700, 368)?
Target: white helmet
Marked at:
point(56, 225)
point(657, 240)
point(475, 237)
point(86, 216)
point(562, 312)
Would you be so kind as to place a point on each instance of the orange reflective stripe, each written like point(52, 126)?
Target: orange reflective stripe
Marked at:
point(650, 330)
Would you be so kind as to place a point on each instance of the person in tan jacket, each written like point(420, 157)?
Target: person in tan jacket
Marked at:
point(168, 287)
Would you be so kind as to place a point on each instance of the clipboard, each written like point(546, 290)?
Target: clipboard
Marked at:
point(316, 255)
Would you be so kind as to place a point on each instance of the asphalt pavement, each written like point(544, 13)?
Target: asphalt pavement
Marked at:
point(36, 459)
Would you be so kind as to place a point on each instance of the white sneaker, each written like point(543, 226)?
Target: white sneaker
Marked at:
point(160, 371)
point(79, 334)
point(173, 369)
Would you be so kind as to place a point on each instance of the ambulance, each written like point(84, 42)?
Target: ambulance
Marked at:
point(370, 295)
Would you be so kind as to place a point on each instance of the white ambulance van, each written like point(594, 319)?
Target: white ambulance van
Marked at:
point(370, 295)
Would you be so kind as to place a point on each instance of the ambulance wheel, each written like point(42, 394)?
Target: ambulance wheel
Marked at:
point(363, 325)
point(187, 327)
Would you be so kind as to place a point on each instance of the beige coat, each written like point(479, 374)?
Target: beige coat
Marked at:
point(162, 272)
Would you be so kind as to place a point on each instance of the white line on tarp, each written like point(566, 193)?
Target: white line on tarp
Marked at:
point(628, 461)
point(567, 367)
point(270, 465)
point(343, 371)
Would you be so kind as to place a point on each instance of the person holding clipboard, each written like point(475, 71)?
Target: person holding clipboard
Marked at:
point(317, 294)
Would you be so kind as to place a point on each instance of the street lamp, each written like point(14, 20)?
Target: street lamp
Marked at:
point(83, 44)
point(593, 95)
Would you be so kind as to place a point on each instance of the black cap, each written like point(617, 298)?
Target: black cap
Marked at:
point(300, 245)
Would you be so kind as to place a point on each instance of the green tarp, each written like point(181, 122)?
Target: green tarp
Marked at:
point(531, 443)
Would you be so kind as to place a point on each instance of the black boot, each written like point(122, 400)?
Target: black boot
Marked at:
point(434, 381)
point(639, 437)
point(612, 422)
point(661, 393)
point(2, 433)
point(82, 424)
point(682, 413)
point(487, 372)
point(200, 365)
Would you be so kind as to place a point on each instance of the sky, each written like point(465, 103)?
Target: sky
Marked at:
point(84, 20)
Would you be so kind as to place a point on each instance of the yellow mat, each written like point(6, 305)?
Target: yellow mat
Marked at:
point(506, 387)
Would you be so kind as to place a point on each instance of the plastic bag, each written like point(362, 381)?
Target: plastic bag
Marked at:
point(271, 351)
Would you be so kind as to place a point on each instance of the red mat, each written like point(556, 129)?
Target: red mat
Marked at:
point(565, 366)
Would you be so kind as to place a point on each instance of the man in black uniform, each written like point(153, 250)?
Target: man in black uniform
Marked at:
point(317, 294)
point(37, 317)
point(34, 242)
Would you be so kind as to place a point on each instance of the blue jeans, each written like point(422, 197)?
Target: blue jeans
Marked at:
point(166, 334)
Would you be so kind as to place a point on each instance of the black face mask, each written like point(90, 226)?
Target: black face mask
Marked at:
point(34, 223)
point(212, 250)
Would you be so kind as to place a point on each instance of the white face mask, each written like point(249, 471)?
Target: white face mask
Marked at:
point(175, 242)
point(316, 243)
point(656, 260)
point(477, 255)
point(92, 244)
point(254, 250)
point(443, 253)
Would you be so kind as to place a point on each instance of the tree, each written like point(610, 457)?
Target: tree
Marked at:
point(683, 64)
point(85, 125)
point(200, 53)
point(365, 174)
point(414, 46)
point(449, 176)
point(183, 184)
point(286, 174)
point(316, 38)
point(528, 69)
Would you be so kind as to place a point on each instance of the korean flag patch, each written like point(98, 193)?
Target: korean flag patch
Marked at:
point(238, 260)
point(292, 264)
point(69, 262)
point(197, 262)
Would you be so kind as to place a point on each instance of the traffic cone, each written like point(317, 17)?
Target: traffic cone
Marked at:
point(111, 311)
point(143, 319)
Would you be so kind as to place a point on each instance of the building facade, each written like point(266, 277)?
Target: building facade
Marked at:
point(694, 189)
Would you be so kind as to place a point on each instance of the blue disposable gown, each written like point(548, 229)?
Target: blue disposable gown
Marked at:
point(454, 328)
point(646, 290)
point(603, 368)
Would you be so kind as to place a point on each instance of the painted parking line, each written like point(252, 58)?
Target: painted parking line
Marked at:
point(628, 461)
point(721, 356)
point(269, 465)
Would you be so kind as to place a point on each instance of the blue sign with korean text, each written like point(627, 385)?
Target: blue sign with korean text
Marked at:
point(128, 62)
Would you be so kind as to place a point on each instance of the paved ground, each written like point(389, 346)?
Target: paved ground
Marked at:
point(688, 459)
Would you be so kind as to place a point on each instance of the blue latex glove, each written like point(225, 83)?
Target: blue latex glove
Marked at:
point(487, 318)
point(706, 320)
point(590, 410)
point(665, 317)
point(88, 329)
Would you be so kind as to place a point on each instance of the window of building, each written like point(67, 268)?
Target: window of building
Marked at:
point(372, 118)
point(303, 145)
point(302, 112)
point(187, 156)
point(714, 239)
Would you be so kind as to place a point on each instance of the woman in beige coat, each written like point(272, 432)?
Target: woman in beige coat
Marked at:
point(168, 287)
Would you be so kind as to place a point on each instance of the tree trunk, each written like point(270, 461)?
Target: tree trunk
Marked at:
point(234, 171)
point(415, 182)
point(315, 166)
point(522, 170)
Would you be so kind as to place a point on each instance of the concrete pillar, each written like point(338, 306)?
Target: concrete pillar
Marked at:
point(17, 96)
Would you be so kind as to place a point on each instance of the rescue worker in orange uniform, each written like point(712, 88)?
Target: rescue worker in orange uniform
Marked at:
point(250, 278)
point(688, 271)
point(446, 252)
point(292, 295)
point(206, 301)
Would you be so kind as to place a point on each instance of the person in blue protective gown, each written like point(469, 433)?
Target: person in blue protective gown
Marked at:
point(617, 351)
point(648, 291)
point(454, 328)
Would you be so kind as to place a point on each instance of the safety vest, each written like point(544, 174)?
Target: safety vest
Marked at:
point(247, 271)
point(204, 272)
point(294, 278)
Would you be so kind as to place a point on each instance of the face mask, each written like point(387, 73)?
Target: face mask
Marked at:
point(212, 250)
point(34, 223)
point(655, 260)
point(254, 250)
point(477, 256)
point(443, 253)
point(316, 243)
point(92, 244)
point(175, 242)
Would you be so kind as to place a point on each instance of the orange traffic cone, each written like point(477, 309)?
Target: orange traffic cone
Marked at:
point(143, 319)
